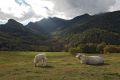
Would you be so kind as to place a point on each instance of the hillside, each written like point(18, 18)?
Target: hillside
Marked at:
point(95, 29)
point(15, 36)
point(55, 34)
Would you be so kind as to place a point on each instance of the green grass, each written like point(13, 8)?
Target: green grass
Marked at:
point(61, 66)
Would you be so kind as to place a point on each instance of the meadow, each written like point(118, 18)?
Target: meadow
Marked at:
point(17, 65)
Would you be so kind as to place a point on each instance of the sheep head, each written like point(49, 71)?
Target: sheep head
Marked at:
point(79, 55)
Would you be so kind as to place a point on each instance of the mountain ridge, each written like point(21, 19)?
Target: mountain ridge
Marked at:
point(47, 34)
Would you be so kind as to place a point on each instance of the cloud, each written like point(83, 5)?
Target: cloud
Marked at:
point(72, 8)
point(22, 10)
point(116, 6)
point(33, 10)
point(12, 8)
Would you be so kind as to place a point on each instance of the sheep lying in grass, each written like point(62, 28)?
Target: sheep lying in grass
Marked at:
point(40, 58)
point(94, 60)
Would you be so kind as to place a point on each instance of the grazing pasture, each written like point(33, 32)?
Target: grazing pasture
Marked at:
point(17, 65)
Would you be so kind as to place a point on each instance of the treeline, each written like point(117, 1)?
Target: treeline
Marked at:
point(93, 48)
point(15, 42)
point(89, 40)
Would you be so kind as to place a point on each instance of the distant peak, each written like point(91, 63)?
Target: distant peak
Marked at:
point(11, 20)
point(31, 23)
point(81, 17)
point(84, 15)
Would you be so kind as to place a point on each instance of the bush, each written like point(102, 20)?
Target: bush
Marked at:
point(88, 48)
point(112, 49)
point(84, 48)
point(100, 47)
point(73, 51)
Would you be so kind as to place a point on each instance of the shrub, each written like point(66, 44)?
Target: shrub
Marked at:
point(90, 48)
point(112, 49)
point(100, 47)
point(73, 51)
point(84, 48)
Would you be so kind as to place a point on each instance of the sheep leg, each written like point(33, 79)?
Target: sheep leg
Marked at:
point(44, 62)
point(35, 65)
point(81, 62)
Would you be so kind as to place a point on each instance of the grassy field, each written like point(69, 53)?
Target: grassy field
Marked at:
point(60, 66)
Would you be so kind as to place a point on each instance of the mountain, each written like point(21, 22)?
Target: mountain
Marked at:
point(93, 29)
point(82, 18)
point(15, 36)
point(48, 25)
point(11, 26)
point(37, 29)
point(109, 21)
point(55, 34)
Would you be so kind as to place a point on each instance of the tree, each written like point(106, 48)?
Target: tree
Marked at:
point(100, 47)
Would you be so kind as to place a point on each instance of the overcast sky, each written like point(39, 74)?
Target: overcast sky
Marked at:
point(25, 11)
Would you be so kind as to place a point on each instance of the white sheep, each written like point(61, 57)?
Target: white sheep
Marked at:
point(40, 58)
point(95, 60)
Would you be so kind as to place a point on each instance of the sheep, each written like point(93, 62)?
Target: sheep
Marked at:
point(40, 58)
point(93, 60)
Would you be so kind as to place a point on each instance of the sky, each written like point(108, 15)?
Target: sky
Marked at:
point(25, 11)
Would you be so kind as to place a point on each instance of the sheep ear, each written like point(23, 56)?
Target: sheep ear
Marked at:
point(77, 56)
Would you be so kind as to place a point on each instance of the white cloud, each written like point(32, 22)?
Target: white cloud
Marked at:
point(2, 21)
point(41, 8)
point(12, 8)
point(25, 9)
point(116, 6)
point(33, 10)
point(72, 8)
